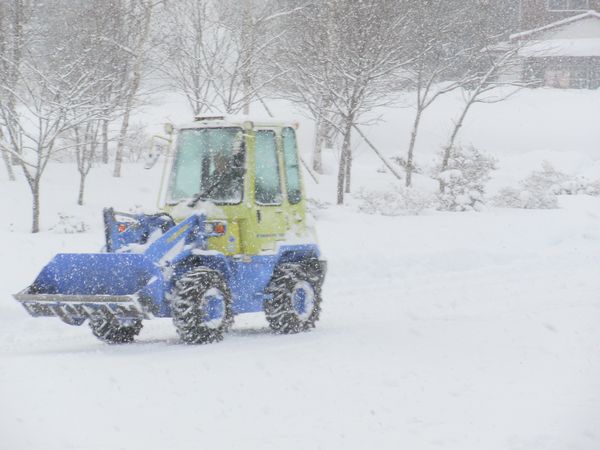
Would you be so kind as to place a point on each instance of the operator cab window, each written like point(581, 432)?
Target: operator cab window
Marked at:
point(209, 164)
point(267, 189)
point(292, 167)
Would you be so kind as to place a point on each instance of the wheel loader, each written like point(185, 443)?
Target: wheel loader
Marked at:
point(231, 237)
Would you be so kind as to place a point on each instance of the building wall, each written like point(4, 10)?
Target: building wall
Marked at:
point(535, 13)
point(563, 72)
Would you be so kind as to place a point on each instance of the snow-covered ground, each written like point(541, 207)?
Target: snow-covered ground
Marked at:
point(458, 331)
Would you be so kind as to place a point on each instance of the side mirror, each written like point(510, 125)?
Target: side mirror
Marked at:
point(169, 128)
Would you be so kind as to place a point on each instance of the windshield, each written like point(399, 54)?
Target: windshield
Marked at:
point(208, 162)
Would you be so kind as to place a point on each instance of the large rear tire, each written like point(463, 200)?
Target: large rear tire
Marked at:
point(295, 297)
point(107, 328)
point(202, 306)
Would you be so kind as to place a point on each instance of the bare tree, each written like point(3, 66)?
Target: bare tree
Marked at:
point(109, 26)
point(354, 72)
point(137, 27)
point(91, 21)
point(436, 29)
point(14, 16)
point(483, 69)
point(54, 92)
point(86, 147)
point(245, 38)
point(3, 51)
point(309, 47)
point(218, 51)
point(44, 106)
point(474, 92)
point(192, 50)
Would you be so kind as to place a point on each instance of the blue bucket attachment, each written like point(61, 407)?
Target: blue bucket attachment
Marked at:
point(95, 274)
point(125, 285)
point(76, 286)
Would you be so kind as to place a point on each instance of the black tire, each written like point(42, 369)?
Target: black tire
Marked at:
point(196, 295)
point(107, 328)
point(283, 311)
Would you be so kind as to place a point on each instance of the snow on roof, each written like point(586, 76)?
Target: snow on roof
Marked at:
point(558, 23)
point(561, 47)
point(224, 120)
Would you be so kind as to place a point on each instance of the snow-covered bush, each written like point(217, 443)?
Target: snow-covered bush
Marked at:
point(540, 188)
point(523, 198)
point(464, 179)
point(396, 201)
point(69, 224)
point(547, 180)
point(578, 186)
point(593, 188)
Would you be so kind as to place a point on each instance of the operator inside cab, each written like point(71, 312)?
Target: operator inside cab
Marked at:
point(209, 166)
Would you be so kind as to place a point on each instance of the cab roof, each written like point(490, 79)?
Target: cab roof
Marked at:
point(218, 121)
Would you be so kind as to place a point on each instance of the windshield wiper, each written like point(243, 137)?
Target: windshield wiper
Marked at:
point(206, 192)
point(204, 195)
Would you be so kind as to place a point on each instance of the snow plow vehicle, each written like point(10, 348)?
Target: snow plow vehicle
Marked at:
point(231, 237)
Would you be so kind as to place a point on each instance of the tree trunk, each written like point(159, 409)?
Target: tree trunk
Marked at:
point(411, 147)
point(247, 88)
point(81, 189)
point(7, 163)
point(328, 134)
point(17, 56)
point(343, 159)
point(247, 67)
point(349, 163)
point(317, 160)
point(35, 192)
point(105, 141)
point(448, 149)
point(123, 132)
point(135, 85)
point(455, 131)
point(341, 176)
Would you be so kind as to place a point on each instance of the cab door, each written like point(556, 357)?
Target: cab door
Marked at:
point(269, 218)
point(294, 189)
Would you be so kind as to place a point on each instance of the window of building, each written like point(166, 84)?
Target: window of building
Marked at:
point(568, 5)
point(585, 74)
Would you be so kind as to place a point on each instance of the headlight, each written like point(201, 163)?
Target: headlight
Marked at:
point(216, 228)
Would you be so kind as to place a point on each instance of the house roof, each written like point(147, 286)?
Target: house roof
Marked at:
point(558, 23)
point(561, 47)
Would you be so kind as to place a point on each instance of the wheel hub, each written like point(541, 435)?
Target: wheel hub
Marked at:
point(303, 299)
point(214, 316)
